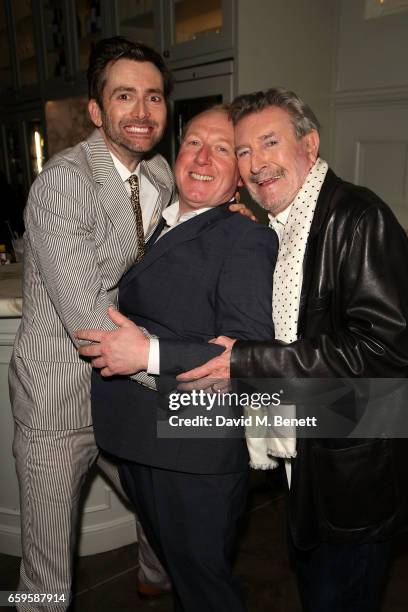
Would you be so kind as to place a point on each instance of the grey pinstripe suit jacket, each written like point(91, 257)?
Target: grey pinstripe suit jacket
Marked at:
point(80, 239)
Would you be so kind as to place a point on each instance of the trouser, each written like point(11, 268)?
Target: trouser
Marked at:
point(342, 577)
point(52, 467)
point(191, 522)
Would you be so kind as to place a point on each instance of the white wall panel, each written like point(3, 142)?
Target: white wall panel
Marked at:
point(372, 150)
point(372, 53)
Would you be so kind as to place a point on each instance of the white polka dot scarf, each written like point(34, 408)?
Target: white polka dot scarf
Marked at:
point(288, 275)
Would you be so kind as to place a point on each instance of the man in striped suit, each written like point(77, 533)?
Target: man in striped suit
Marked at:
point(83, 231)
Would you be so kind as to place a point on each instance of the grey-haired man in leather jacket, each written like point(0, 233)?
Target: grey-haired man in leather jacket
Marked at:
point(340, 311)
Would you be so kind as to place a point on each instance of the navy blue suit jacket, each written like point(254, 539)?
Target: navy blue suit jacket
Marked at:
point(209, 276)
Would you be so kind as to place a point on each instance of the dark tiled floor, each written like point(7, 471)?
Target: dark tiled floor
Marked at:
point(107, 581)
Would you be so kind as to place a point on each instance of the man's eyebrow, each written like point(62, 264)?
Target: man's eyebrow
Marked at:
point(157, 90)
point(262, 138)
point(125, 88)
point(266, 136)
point(193, 134)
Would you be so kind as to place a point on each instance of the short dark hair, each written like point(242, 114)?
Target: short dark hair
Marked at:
point(109, 50)
point(303, 118)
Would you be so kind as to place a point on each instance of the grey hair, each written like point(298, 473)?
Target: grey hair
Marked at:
point(303, 118)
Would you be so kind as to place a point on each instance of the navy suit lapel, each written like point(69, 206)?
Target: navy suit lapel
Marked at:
point(152, 240)
point(182, 233)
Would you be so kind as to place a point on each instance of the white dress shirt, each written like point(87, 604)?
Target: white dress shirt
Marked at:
point(278, 223)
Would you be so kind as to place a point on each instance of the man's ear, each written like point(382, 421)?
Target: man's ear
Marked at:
point(95, 112)
point(312, 142)
point(240, 183)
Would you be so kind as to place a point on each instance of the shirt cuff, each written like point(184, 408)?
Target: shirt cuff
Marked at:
point(153, 364)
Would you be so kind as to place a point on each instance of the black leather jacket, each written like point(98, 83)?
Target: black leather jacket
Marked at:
point(352, 323)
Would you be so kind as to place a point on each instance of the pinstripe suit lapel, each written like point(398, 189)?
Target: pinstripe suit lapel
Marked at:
point(113, 196)
point(102, 163)
point(116, 202)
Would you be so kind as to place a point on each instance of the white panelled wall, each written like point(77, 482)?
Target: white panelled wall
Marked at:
point(371, 103)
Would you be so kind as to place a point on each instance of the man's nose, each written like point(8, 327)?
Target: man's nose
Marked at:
point(203, 155)
point(258, 162)
point(141, 109)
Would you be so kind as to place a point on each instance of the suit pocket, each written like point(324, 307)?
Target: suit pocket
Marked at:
point(355, 486)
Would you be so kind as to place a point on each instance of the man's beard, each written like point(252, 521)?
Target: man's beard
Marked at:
point(274, 207)
point(120, 139)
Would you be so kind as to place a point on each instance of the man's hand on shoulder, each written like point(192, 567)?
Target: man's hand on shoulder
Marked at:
point(217, 369)
point(122, 351)
point(241, 208)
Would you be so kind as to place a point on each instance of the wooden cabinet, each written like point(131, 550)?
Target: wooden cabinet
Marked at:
point(139, 20)
point(23, 145)
point(56, 42)
point(68, 31)
point(88, 28)
point(13, 161)
point(6, 72)
point(46, 43)
point(44, 52)
point(197, 32)
point(186, 32)
point(23, 22)
point(19, 44)
point(45, 48)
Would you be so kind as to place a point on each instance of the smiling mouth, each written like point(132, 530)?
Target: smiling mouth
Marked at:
point(200, 177)
point(269, 181)
point(139, 130)
point(264, 181)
